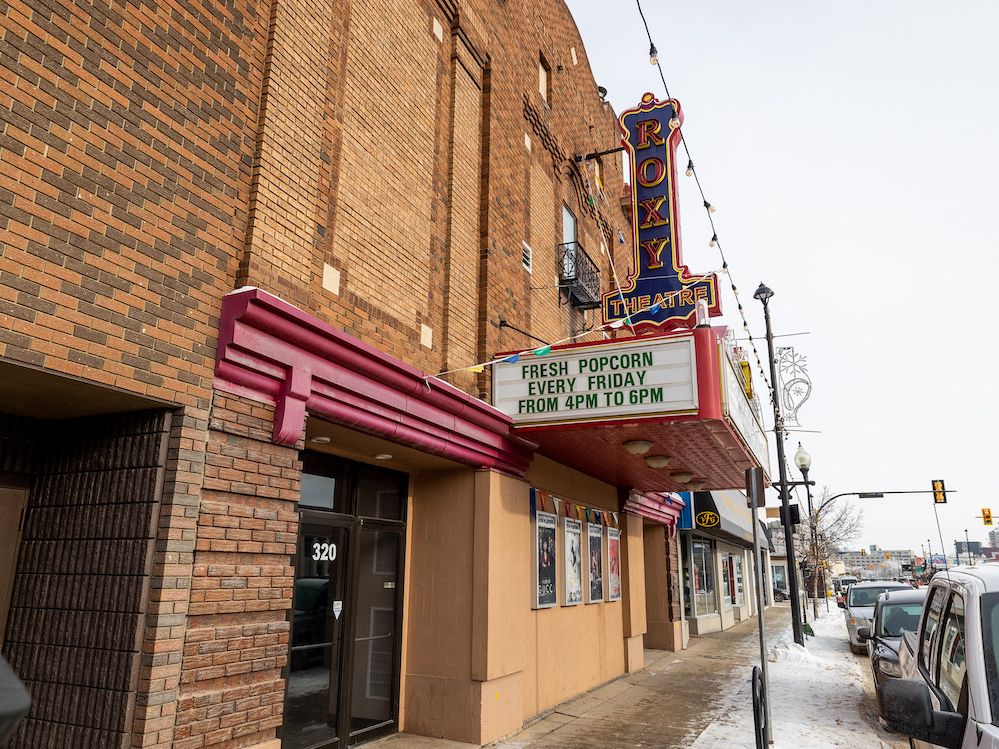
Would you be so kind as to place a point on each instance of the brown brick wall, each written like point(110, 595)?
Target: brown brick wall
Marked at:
point(236, 642)
point(124, 178)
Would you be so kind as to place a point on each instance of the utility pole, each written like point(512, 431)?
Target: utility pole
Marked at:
point(763, 294)
point(967, 545)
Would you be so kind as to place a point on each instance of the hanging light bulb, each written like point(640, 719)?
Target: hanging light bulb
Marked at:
point(714, 241)
point(653, 54)
point(711, 208)
point(690, 168)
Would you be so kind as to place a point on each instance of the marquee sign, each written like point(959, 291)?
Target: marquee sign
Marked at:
point(660, 292)
point(608, 382)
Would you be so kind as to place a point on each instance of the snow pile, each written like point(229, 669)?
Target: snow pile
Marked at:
point(817, 697)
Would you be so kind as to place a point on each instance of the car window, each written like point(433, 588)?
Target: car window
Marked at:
point(951, 652)
point(895, 619)
point(867, 596)
point(933, 609)
point(990, 635)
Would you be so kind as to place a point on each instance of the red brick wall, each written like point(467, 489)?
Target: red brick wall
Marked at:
point(236, 642)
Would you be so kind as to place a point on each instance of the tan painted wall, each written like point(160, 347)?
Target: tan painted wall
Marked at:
point(570, 649)
point(438, 697)
point(660, 629)
point(478, 660)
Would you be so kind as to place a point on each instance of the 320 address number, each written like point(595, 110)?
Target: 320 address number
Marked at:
point(323, 552)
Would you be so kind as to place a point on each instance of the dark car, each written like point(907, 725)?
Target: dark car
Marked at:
point(781, 594)
point(895, 613)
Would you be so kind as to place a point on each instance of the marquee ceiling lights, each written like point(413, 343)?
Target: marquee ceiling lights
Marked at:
point(637, 447)
point(321, 440)
point(696, 485)
point(657, 461)
point(681, 477)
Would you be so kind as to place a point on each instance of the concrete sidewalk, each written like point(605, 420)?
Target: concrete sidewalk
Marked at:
point(666, 704)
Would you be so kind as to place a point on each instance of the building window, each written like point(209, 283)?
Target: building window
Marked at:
point(780, 576)
point(703, 570)
point(527, 257)
point(737, 577)
point(544, 80)
point(569, 240)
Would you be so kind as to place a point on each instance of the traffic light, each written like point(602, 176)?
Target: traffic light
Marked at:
point(939, 493)
point(986, 516)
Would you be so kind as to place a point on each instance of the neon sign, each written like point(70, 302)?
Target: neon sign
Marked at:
point(660, 292)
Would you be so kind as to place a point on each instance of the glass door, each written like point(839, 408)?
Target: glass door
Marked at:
point(343, 675)
point(374, 672)
point(312, 703)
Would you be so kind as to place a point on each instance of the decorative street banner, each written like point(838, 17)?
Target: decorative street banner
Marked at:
point(651, 377)
point(660, 292)
point(544, 560)
point(595, 560)
point(613, 564)
point(573, 562)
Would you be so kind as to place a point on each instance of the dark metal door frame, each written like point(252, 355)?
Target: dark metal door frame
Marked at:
point(355, 526)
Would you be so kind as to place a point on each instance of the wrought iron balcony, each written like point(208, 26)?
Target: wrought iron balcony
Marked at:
point(578, 275)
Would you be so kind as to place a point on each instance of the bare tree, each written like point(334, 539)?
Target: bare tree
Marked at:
point(835, 525)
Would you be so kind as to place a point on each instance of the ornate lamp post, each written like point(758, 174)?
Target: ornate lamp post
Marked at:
point(763, 295)
point(804, 461)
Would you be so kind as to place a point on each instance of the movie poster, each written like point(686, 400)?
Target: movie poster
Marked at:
point(544, 560)
point(595, 562)
point(613, 564)
point(573, 562)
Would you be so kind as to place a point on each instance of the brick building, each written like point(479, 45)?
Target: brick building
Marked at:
point(236, 240)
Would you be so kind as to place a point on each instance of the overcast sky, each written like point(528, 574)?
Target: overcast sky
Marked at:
point(850, 149)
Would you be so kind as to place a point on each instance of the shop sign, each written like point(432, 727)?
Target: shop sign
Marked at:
point(573, 530)
point(600, 383)
point(707, 519)
point(741, 413)
point(660, 291)
point(595, 562)
point(544, 560)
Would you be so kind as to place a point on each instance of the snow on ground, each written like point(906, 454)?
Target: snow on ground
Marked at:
point(816, 696)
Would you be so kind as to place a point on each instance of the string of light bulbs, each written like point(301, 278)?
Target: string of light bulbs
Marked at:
point(709, 209)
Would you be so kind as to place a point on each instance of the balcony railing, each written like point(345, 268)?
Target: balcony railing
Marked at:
point(579, 275)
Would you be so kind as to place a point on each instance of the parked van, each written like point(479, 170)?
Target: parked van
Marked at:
point(948, 695)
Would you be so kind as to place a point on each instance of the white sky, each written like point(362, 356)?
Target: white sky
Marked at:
point(850, 149)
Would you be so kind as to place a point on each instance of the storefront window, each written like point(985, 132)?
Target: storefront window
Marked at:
point(737, 577)
point(728, 589)
point(685, 566)
point(780, 576)
point(702, 553)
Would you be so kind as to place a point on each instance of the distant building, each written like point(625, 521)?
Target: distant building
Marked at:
point(876, 562)
point(994, 538)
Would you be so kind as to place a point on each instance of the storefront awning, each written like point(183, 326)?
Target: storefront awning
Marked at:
point(722, 514)
point(680, 396)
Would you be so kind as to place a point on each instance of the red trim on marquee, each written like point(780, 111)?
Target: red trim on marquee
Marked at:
point(270, 350)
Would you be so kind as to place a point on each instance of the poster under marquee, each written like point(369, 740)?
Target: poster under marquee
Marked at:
point(613, 564)
point(572, 553)
point(545, 576)
point(595, 562)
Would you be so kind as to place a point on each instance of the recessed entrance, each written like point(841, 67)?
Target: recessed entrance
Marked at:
point(343, 673)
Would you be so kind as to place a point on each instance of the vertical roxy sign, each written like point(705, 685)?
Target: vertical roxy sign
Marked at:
point(660, 292)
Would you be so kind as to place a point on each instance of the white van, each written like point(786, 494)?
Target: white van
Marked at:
point(948, 695)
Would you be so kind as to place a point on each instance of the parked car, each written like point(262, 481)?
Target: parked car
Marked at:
point(895, 613)
point(948, 695)
point(781, 594)
point(858, 608)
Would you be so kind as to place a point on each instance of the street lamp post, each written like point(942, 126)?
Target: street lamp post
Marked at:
point(763, 294)
point(804, 461)
point(967, 545)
